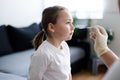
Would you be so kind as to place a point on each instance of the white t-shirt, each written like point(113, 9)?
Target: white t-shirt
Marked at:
point(113, 72)
point(50, 63)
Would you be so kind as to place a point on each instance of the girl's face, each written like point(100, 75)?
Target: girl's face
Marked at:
point(64, 29)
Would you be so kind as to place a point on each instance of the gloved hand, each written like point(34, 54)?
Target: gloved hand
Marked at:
point(99, 35)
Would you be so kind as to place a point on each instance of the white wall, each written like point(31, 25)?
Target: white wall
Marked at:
point(112, 19)
point(20, 12)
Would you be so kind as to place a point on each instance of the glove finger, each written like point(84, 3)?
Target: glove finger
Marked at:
point(102, 30)
point(93, 35)
point(96, 31)
point(99, 30)
point(93, 29)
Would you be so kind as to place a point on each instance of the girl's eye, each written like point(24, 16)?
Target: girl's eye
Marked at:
point(68, 23)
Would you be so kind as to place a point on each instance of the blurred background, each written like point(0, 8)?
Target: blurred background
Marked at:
point(103, 12)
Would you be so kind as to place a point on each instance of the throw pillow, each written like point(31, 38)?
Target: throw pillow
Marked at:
point(21, 38)
point(5, 47)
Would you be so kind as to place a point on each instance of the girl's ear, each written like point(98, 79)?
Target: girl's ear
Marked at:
point(51, 27)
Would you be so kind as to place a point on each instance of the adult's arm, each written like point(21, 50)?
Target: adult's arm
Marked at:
point(109, 58)
point(113, 72)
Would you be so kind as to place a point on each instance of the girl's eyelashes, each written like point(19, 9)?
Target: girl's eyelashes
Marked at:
point(68, 22)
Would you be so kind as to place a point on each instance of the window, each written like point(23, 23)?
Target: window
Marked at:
point(82, 9)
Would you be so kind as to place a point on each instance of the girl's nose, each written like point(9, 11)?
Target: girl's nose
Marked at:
point(73, 27)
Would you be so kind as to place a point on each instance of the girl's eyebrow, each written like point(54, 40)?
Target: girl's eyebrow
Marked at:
point(70, 20)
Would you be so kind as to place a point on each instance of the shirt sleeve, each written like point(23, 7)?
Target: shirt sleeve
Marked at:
point(39, 65)
point(113, 72)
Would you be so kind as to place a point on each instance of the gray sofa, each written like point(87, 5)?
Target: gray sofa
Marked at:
point(16, 49)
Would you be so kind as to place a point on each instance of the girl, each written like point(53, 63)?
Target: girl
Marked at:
point(51, 59)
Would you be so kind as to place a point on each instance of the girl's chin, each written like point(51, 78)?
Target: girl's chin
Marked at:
point(68, 38)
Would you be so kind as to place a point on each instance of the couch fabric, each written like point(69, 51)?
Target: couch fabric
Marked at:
point(8, 76)
point(16, 50)
point(5, 46)
point(21, 38)
point(16, 63)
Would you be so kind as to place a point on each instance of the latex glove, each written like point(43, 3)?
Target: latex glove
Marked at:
point(99, 35)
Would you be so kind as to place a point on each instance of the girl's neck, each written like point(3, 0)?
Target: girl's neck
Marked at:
point(56, 43)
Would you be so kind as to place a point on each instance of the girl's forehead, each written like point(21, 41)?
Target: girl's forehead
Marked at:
point(65, 14)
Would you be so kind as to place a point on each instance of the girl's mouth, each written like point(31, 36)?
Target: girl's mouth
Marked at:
point(71, 33)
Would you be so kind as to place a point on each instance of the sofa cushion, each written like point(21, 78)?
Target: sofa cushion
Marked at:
point(7, 76)
point(21, 38)
point(16, 63)
point(5, 46)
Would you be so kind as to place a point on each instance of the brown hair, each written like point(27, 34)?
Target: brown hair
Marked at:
point(49, 15)
point(119, 5)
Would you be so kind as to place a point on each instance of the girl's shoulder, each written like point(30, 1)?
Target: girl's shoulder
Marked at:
point(64, 43)
point(46, 48)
